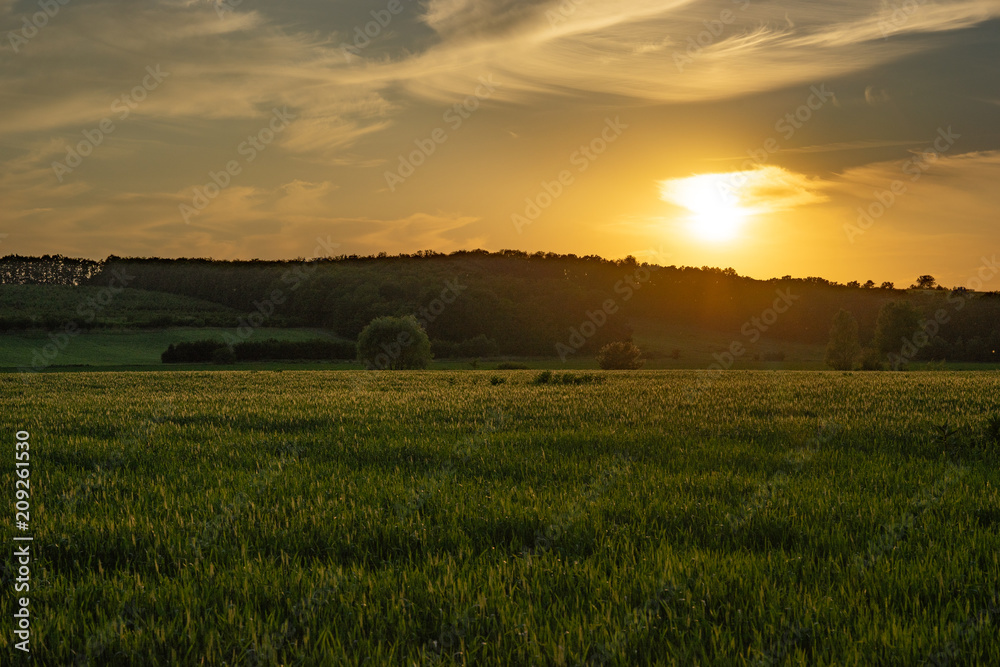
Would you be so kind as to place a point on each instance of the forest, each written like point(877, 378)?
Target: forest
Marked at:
point(517, 303)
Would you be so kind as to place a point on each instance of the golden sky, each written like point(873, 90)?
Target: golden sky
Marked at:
point(846, 139)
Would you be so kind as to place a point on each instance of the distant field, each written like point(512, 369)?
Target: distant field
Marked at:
point(140, 351)
point(52, 306)
point(123, 348)
point(667, 518)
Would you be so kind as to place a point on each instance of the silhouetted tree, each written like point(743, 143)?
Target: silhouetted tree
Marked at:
point(843, 348)
point(925, 282)
point(620, 355)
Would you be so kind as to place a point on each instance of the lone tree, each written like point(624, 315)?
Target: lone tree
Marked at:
point(925, 282)
point(620, 355)
point(843, 348)
point(394, 343)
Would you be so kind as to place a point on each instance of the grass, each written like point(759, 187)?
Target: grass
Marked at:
point(670, 518)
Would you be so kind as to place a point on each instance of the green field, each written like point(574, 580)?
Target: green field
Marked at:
point(320, 518)
point(123, 348)
point(52, 306)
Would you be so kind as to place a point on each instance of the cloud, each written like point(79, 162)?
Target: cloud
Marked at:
point(762, 190)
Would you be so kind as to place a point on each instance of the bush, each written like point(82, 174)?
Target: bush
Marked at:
point(194, 352)
point(496, 379)
point(620, 355)
point(542, 378)
point(548, 377)
point(394, 343)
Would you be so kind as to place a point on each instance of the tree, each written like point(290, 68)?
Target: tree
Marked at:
point(897, 322)
point(394, 343)
point(620, 355)
point(925, 282)
point(887, 285)
point(853, 283)
point(869, 284)
point(843, 348)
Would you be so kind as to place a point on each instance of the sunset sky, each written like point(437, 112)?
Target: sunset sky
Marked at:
point(742, 134)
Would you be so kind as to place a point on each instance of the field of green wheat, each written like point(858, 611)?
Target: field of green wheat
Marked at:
point(509, 518)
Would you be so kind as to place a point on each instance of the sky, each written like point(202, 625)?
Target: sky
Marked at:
point(847, 139)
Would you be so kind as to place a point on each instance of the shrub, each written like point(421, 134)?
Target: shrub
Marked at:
point(542, 378)
point(394, 343)
point(620, 355)
point(584, 378)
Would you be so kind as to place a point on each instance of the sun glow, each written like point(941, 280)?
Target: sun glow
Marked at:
point(717, 213)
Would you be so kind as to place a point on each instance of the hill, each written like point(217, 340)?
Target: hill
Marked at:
point(513, 302)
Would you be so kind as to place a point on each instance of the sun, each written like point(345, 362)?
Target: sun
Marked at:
point(713, 199)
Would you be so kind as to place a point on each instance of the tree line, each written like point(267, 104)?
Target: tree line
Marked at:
point(519, 303)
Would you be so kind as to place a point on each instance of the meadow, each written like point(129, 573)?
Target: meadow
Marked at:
point(484, 517)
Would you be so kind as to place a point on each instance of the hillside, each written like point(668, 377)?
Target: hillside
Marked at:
point(515, 303)
point(24, 307)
